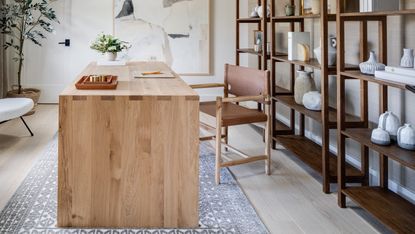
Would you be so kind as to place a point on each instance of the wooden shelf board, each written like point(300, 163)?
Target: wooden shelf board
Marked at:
point(282, 91)
point(375, 14)
point(299, 18)
point(250, 51)
point(363, 135)
point(317, 115)
point(389, 208)
point(281, 127)
point(311, 154)
point(251, 20)
point(313, 63)
point(359, 75)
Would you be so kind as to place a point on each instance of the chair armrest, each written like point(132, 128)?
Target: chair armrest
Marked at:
point(246, 99)
point(207, 86)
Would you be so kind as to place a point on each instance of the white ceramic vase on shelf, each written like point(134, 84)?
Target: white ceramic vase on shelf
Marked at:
point(332, 52)
point(407, 58)
point(304, 83)
point(312, 101)
point(390, 123)
point(260, 11)
point(254, 13)
point(315, 7)
point(111, 56)
point(406, 137)
point(380, 137)
point(369, 67)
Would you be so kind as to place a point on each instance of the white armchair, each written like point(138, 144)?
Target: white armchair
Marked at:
point(12, 108)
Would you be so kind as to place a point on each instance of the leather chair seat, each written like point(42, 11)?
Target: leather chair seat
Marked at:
point(233, 114)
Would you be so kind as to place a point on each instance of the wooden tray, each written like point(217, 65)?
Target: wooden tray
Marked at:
point(110, 82)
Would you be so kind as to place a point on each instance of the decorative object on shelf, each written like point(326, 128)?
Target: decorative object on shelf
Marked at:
point(369, 67)
point(312, 101)
point(289, 10)
point(378, 5)
point(406, 137)
point(332, 52)
point(304, 83)
point(258, 35)
point(260, 11)
point(389, 122)
point(295, 38)
point(380, 137)
point(407, 58)
point(303, 52)
point(109, 45)
point(395, 77)
point(315, 7)
point(332, 6)
point(305, 7)
point(254, 13)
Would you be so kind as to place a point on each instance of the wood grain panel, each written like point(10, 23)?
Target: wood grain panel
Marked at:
point(129, 161)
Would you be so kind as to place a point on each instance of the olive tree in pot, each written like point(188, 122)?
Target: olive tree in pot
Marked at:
point(21, 21)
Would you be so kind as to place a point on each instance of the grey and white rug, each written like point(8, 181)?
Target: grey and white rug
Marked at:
point(223, 209)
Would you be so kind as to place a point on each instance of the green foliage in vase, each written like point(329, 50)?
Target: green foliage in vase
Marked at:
point(25, 20)
point(108, 43)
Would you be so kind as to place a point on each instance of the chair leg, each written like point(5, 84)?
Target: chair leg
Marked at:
point(218, 160)
point(25, 124)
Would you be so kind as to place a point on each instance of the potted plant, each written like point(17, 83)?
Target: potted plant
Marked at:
point(109, 45)
point(21, 21)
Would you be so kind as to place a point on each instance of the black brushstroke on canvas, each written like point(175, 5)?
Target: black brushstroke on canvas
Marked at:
point(176, 36)
point(127, 9)
point(169, 3)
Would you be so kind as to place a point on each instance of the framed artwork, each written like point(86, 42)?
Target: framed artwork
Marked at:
point(176, 32)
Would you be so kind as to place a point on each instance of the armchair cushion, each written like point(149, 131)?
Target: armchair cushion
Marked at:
point(11, 108)
point(233, 114)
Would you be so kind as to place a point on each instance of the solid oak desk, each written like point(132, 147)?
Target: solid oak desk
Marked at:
point(129, 157)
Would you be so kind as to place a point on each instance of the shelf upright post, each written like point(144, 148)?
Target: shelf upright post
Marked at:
point(325, 96)
point(341, 110)
point(383, 54)
point(364, 108)
point(237, 33)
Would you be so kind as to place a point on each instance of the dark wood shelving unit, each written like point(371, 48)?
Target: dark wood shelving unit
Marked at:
point(389, 208)
point(320, 155)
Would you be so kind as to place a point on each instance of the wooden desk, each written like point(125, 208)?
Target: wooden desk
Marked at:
point(129, 157)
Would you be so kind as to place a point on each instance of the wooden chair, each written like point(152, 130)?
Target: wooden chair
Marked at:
point(245, 84)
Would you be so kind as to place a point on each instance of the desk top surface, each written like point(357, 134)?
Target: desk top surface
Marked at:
point(130, 86)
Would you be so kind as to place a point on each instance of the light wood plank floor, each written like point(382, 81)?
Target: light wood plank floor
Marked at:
point(288, 201)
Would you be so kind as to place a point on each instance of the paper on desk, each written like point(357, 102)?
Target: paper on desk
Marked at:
point(163, 74)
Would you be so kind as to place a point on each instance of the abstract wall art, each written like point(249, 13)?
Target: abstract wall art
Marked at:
point(173, 31)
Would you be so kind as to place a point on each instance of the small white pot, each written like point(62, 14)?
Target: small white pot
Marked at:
point(406, 137)
point(111, 56)
point(380, 137)
point(390, 123)
point(407, 58)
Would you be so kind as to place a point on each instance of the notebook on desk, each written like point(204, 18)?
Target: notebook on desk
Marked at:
point(153, 74)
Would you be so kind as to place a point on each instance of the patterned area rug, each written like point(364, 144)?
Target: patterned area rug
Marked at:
point(223, 209)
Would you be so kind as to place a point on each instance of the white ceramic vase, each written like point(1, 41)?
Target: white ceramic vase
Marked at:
point(332, 52)
point(406, 137)
point(260, 11)
point(304, 83)
point(111, 56)
point(390, 123)
point(312, 101)
point(254, 13)
point(315, 7)
point(369, 67)
point(407, 58)
point(380, 137)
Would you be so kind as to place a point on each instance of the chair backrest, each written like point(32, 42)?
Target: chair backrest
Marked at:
point(244, 81)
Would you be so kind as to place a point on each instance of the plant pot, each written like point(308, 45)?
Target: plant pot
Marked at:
point(33, 94)
point(111, 56)
point(304, 83)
